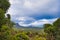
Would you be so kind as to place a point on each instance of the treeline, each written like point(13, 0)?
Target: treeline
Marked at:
point(8, 32)
point(53, 30)
point(5, 23)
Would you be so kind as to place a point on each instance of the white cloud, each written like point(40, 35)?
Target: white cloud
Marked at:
point(25, 21)
point(43, 21)
point(27, 4)
point(21, 10)
point(25, 18)
point(40, 22)
point(33, 22)
point(14, 1)
point(32, 7)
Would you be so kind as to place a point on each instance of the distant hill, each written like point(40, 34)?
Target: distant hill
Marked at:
point(17, 25)
point(31, 26)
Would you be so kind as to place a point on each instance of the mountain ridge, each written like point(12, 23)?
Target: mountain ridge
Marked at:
point(31, 26)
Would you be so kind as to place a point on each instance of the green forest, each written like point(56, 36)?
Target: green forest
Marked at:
point(8, 32)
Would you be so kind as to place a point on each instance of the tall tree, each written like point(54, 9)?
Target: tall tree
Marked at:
point(57, 25)
point(4, 5)
point(50, 30)
point(53, 30)
point(1, 17)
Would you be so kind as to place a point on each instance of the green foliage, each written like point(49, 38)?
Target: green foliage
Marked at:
point(57, 23)
point(4, 5)
point(4, 34)
point(1, 14)
point(48, 28)
point(53, 30)
point(21, 37)
point(1, 17)
point(40, 38)
point(5, 28)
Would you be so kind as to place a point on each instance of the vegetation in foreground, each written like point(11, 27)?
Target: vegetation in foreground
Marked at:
point(8, 32)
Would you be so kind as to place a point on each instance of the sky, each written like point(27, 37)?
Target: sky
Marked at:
point(34, 12)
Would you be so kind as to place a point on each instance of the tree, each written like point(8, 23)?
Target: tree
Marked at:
point(4, 5)
point(21, 37)
point(53, 30)
point(57, 25)
point(8, 16)
point(50, 29)
point(4, 34)
point(1, 17)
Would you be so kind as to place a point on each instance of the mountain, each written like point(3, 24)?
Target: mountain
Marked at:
point(31, 26)
point(17, 25)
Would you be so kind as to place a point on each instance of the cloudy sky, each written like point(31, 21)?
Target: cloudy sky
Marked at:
point(34, 12)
